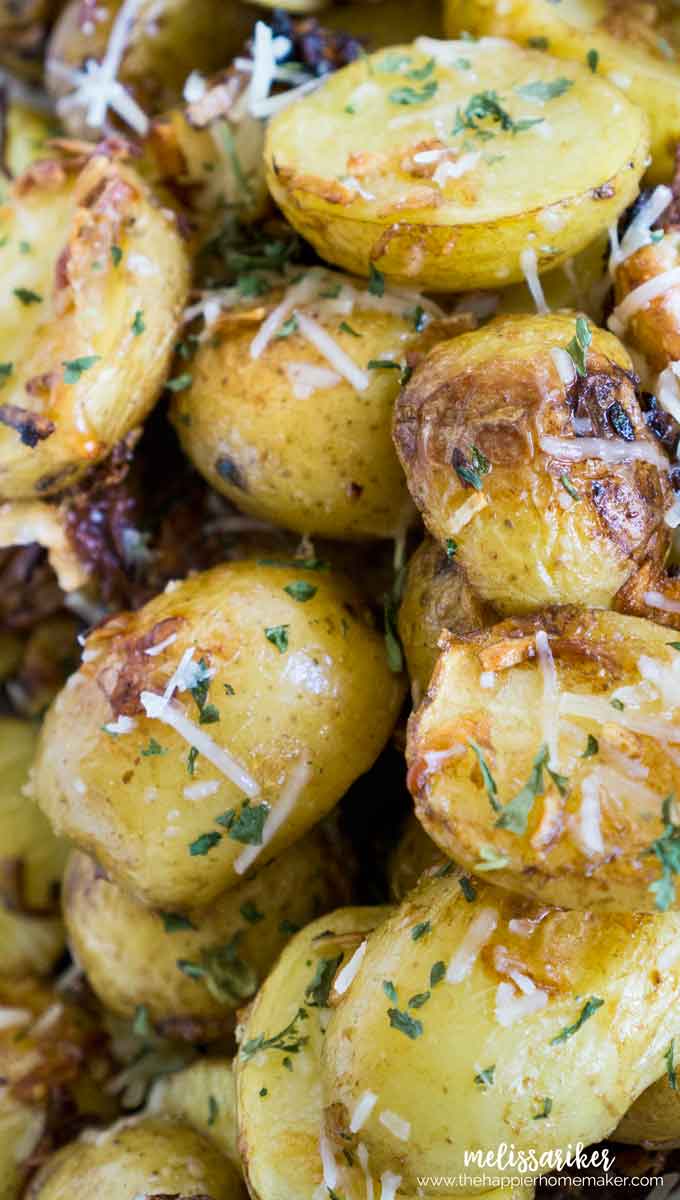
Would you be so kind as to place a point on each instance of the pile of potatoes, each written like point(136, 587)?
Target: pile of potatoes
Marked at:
point(356, 853)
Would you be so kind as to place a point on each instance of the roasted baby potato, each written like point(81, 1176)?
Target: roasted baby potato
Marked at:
point(582, 283)
point(436, 596)
point(290, 406)
point(525, 443)
point(54, 1064)
point(515, 1010)
point(31, 863)
point(543, 752)
point(203, 1096)
point(150, 1157)
point(281, 662)
point(26, 132)
point(646, 272)
point(653, 1120)
point(191, 972)
point(278, 1068)
point(414, 853)
point(633, 44)
point(95, 278)
point(346, 163)
point(163, 42)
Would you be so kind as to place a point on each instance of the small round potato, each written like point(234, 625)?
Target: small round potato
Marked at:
point(633, 44)
point(203, 1096)
point(191, 973)
point(653, 1121)
point(150, 1157)
point(420, 162)
point(288, 438)
point(436, 596)
point(166, 40)
point(544, 753)
point(477, 1019)
point(414, 853)
point(53, 1064)
point(227, 715)
point(31, 863)
point(525, 443)
point(95, 278)
point(278, 1068)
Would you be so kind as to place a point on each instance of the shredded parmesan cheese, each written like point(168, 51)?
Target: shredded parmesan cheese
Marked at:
point(663, 603)
point(615, 451)
point(199, 791)
point(96, 87)
point(345, 977)
point(317, 336)
point(564, 365)
point(158, 649)
point(362, 1112)
point(447, 169)
point(306, 378)
point(476, 937)
point(296, 294)
point(595, 709)
point(589, 821)
point(156, 707)
point(550, 697)
point(290, 793)
point(389, 1182)
point(330, 1170)
point(638, 233)
point(529, 264)
point(11, 1018)
point(121, 725)
point(668, 390)
point(362, 1155)
point(511, 1007)
point(641, 297)
point(467, 511)
point(396, 1124)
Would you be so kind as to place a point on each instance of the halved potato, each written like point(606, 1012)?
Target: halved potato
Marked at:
point(544, 753)
point(633, 44)
point(477, 1020)
point(165, 41)
point(94, 282)
point(528, 448)
point(148, 1156)
point(278, 681)
point(436, 596)
point(191, 972)
point(346, 164)
point(288, 433)
point(31, 863)
point(204, 1096)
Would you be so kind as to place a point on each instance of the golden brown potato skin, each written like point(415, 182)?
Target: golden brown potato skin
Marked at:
point(186, 1095)
point(31, 863)
point(53, 1060)
point(527, 541)
point(585, 840)
point(321, 464)
point(653, 1121)
point(341, 164)
point(469, 1023)
point(137, 1157)
point(100, 252)
point(313, 714)
point(168, 40)
point(655, 329)
point(636, 44)
point(130, 953)
point(436, 596)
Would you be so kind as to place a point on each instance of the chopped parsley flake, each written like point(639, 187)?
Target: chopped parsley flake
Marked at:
point(577, 348)
point(346, 328)
point(437, 973)
point(288, 327)
point(390, 991)
point(174, 922)
point(116, 255)
point(545, 1111)
point(592, 747)
point(191, 760)
point(471, 475)
point(376, 282)
point(405, 1023)
point(247, 827)
point(154, 748)
point(141, 1026)
point(591, 1006)
point(592, 58)
point(451, 547)
point(278, 636)
point(617, 704)
point(74, 368)
point(485, 1076)
point(671, 1072)
point(179, 383)
point(5, 372)
point(667, 850)
point(213, 1110)
point(486, 106)
point(419, 999)
point(487, 777)
point(410, 95)
point(467, 888)
point(543, 89)
point(287, 1041)
point(490, 860)
point(420, 930)
point(138, 325)
point(569, 487)
point(204, 843)
point(300, 590)
point(318, 992)
point(26, 296)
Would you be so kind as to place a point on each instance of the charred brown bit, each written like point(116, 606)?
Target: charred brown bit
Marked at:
point(13, 891)
point(664, 427)
point(318, 49)
point(31, 427)
point(29, 591)
point(595, 401)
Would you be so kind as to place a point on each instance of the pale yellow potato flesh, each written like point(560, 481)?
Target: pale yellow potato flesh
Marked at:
point(540, 529)
point(316, 459)
point(86, 251)
point(633, 44)
point(137, 1156)
point(309, 714)
point(341, 165)
point(31, 863)
point(203, 1096)
point(589, 1037)
point(585, 840)
point(131, 954)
